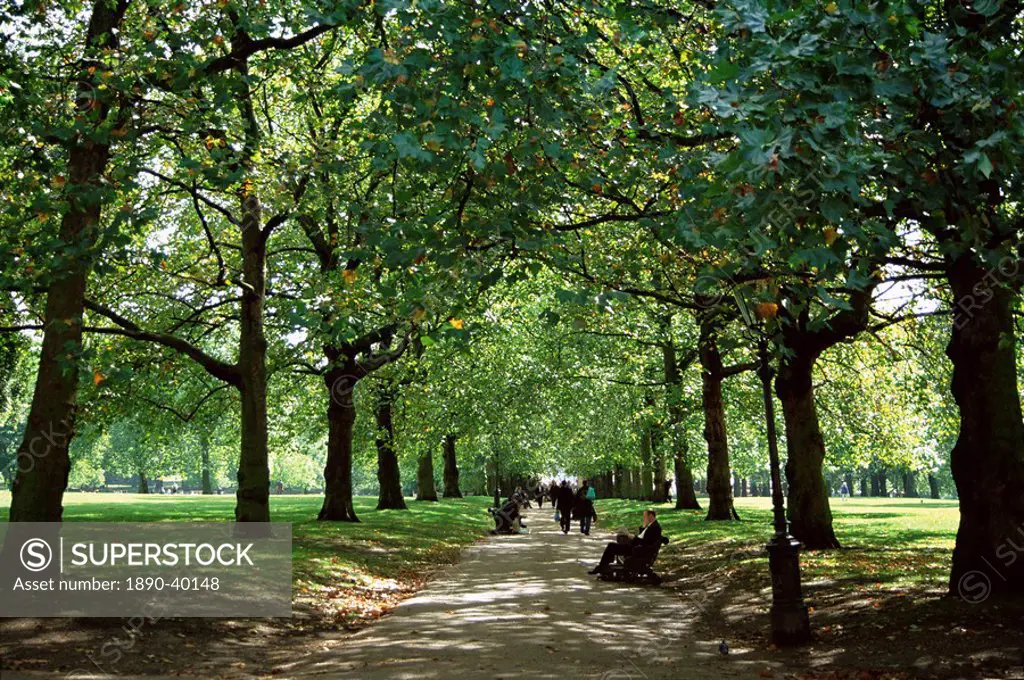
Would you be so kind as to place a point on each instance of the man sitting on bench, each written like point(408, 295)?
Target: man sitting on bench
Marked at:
point(649, 536)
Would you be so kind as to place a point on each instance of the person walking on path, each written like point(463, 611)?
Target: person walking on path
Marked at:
point(566, 500)
point(585, 508)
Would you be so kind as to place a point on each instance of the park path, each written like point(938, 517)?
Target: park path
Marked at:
point(524, 607)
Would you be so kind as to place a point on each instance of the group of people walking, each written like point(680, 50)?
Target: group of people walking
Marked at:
point(578, 504)
point(570, 504)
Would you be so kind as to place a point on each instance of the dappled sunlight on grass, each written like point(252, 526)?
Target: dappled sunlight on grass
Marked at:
point(894, 541)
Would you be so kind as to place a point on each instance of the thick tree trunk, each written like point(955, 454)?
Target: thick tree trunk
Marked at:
point(987, 460)
point(143, 483)
point(425, 490)
point(720, 503)
point(863, 486)
point(388, 475)
point(646, 476)
point(743, 487)
point(909, 484)
point(933, 486)
point(883, 484)
point(876, 484)
point(686, 499)
point(451, 469)
point(42, 460)
point(253, 495)
point(809, 513)
point(341, 418)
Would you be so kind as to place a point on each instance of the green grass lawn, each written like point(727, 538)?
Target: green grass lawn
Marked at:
point(360, 568)
point(888, 542)
point(895, 542)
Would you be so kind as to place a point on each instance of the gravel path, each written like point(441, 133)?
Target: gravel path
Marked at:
point(524, 607)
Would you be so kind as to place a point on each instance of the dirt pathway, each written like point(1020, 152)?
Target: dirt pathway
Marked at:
point(514, 607)
point(524, 607)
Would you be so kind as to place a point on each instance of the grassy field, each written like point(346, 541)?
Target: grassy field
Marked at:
point(891, 541)
point(916, 535)
point(359, 569)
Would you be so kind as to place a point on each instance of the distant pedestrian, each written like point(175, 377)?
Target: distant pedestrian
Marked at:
point(844, 491)
point(585, 508)
point(565, 502)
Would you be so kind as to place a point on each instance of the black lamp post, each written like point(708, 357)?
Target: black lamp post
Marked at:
point(789, 619)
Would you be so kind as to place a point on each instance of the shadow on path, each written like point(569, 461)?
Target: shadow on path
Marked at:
point(524, 607)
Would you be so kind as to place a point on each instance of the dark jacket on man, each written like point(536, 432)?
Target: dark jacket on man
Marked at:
point(566, 500)
point(651, 537)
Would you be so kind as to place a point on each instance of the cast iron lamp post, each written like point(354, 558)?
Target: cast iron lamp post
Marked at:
point(790, 624)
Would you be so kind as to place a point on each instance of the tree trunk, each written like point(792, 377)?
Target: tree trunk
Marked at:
point(743, 487)
point(720, 505)
point(425, 490)
point(809, 513)
point(863, 486)
point(657, 494)
point(933, 486)
point(204, 452)
point(143, 483)
point(987, 460)
point(876, 486)
point(686, 499)
point(645, 477)
point(42, 460)
point(659, 476)
point(848, 478)
point(910, 484)
point(341, 418)
point(451, 469)
point(620, 487)
point(253, 496)
point(388, 476)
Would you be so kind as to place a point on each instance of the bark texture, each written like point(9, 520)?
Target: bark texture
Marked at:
point(987, 460)
point(451, 468)
point(810, 515)
point(42, 459)
point(389, 478)
point(425, 490)
point(720, 501)
point(341, 418)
